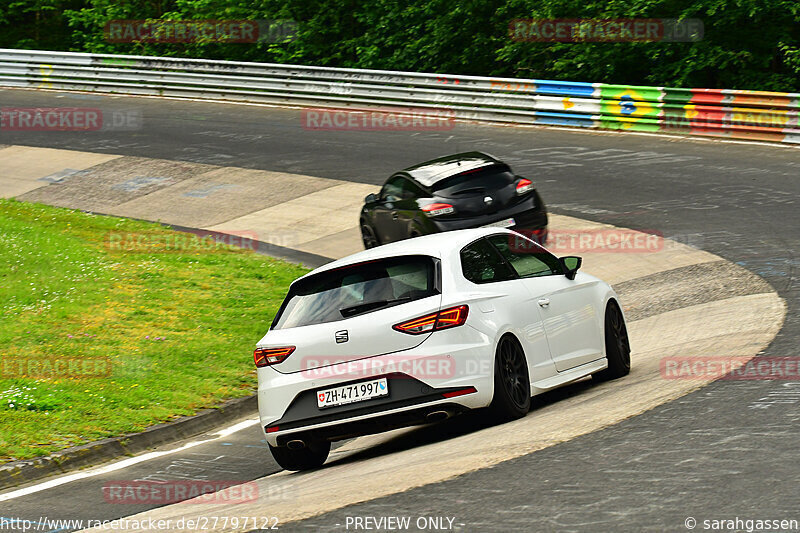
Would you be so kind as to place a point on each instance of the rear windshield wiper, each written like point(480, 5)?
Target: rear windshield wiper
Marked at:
point(371, 306)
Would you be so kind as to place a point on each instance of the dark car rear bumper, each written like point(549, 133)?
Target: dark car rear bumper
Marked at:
point(528, 216)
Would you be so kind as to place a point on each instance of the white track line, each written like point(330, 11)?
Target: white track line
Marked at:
point(124, 464)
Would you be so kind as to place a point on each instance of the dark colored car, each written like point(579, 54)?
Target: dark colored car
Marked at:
point(459, 191)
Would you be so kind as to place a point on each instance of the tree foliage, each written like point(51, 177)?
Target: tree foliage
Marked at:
point(748, 44)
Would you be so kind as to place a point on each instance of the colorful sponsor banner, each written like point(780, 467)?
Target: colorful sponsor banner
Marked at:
point(566, 88)
point(736, 122)
point(565, 119)
point(629, 108)
point(630, 101)
point(629, 124)
point(762, 98)
point(727, 113)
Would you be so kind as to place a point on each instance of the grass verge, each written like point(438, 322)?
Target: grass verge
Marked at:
point(99, 339)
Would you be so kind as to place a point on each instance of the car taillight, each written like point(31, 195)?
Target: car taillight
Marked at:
point(524, 186)
point(437, 209)
point(539, 236)
point(448, 318)
point(271, 356)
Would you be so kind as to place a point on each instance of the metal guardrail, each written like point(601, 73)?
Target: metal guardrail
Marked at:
point(769, 116)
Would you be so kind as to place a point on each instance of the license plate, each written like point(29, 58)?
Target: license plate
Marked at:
point(507, 223)
point(357, 392)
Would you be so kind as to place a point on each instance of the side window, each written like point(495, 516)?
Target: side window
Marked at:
point(480, 263)
point(393, 189)
point(526, 257)
point(410, 281)
point(411, 191)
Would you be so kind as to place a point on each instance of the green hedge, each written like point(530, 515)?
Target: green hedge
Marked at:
point(748, 44)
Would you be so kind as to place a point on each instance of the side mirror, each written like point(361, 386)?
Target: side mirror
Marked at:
point(570, 265)
point(372, 197)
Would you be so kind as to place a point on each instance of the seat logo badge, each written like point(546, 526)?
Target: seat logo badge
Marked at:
point(341, 336)
point(488, 200)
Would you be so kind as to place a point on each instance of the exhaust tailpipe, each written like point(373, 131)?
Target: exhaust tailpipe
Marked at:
point(438, 416)
point(296, 444)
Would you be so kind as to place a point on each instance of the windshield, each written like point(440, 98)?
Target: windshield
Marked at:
point(475, 182)
point(358, 289)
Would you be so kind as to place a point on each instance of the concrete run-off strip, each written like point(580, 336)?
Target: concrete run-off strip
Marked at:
point(24, 169)
point(683, 302)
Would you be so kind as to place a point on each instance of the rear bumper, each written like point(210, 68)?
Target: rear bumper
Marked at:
point(379, 421)
point(421, 381)
point(528, 216)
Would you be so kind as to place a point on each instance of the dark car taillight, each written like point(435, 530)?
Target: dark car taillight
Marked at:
point(438, 208)
point(447, 318)
point(524, 186)
point(271, 356)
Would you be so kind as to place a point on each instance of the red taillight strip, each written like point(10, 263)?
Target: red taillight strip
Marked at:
point(272, 429)
point(271, 356)
point(462, 392)
point(438, 209)
point(418, 322)
point(452, 317)
point(446, 318)
point(524, 186)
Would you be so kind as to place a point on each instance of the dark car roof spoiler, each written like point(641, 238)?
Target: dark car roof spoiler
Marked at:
point(436, 170)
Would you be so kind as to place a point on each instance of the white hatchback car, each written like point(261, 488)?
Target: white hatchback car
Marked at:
point(422, 329)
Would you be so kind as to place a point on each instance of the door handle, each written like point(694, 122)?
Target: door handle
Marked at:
point(394, 215)
point(544, 302)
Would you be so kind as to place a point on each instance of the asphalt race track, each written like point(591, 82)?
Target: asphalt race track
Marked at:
point(721, 452)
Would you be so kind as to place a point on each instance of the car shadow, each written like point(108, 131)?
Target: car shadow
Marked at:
point(457, 426)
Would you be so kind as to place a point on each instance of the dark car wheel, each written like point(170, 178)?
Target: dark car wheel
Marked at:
point(618, 348)
point(368, 236)
point(512, 386)
point(310, 457)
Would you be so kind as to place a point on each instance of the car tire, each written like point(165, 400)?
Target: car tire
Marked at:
point(512, 384)
point(368, 236)
point(618, 348)
point(308, 458)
